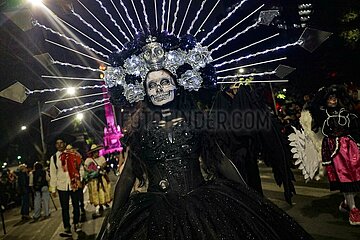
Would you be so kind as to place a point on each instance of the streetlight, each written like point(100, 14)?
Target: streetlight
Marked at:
point(36, 2)
point(80, 116)
point(71, 91)
point(241, 70)
point(23, 128)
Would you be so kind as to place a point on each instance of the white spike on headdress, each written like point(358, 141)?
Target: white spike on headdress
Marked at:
point(75, 51)
point(77, 97)
point(163, 15)
point(137, 14)
point(251, 65)
point(184, 18)
point(168, 17)
point(70, 39)
point(76, 66)
point(113, 20)
point(91, 39)
point(196, 17)
point(256, 81)
point(64, 89)
point(222, 21)
point(175, 16)
point(260, 53)
point(73, 78)
point(83, 105)
point(145, 16)
point(243, 48)
point(122, 19)
point(212, 10)
point(72, 114)
point(96, 31)
point(249, 75)
point(128, 16)
point(242, 20)
point(236, 36)
point(100, 23)
point(156, 15)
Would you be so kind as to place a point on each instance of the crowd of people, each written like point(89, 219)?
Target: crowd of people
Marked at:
point(67, 174)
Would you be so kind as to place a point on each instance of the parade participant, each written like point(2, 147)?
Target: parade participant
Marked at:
point(98, 181)
point(39, 181)
point(65, 177)
point(340, 145)
point(165, 146)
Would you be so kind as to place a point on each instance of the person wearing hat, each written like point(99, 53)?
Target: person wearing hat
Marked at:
point(98, 181)
point(65, 167)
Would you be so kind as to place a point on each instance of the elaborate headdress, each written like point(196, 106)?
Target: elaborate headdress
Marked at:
point(186, 59)
point(151, 36)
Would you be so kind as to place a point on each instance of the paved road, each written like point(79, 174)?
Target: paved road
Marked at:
point(315, 208)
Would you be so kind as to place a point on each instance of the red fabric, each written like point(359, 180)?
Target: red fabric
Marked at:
point(345, 167)
point(70, 162)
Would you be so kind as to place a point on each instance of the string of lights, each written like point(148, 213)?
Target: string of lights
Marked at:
point(236, 36)
point(223, 20)
point(175, 16)
point(241, 21)
point(84, 105)
point(196, 16)
point(212, 10)
point(36, 23)
point(299, 42)
point(93, 15)
point(113, 20)
point(248, 75)
point(64, 89)
point(95, 30)
point(146, 15)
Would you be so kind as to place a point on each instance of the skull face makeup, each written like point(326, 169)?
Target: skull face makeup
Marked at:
point(332, 101)
point(160, 87)
point(154, 55)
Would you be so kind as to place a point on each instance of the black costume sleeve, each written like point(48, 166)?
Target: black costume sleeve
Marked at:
point(122, 191)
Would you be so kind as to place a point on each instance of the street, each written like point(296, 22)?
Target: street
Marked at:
point(314, 207)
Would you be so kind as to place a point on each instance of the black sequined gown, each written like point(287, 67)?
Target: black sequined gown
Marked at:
point(179, 204)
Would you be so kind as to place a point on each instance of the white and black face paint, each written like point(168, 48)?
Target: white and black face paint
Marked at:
point(160, 87)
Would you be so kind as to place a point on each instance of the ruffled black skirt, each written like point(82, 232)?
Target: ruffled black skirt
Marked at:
point(219, 209)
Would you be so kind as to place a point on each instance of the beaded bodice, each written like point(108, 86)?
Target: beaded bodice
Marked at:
point(171, 153)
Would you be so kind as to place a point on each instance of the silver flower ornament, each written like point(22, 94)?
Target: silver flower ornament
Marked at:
point(191, 80)
point(134, 92)
point(199, 57)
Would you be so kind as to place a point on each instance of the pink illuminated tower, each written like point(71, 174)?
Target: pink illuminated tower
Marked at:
point(112, 132)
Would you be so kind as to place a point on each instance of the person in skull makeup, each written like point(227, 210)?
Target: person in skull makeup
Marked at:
point(331, 110)
point(165, 151)
point(160, 87)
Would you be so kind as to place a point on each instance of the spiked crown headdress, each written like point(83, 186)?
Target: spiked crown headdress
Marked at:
point(158, 41)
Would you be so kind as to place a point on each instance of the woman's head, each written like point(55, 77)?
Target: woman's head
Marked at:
point(38, 166)
point(160, 87)
point(332, 101)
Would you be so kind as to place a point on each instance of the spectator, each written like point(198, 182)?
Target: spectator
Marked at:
point(39, 182)
point(24, 191)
